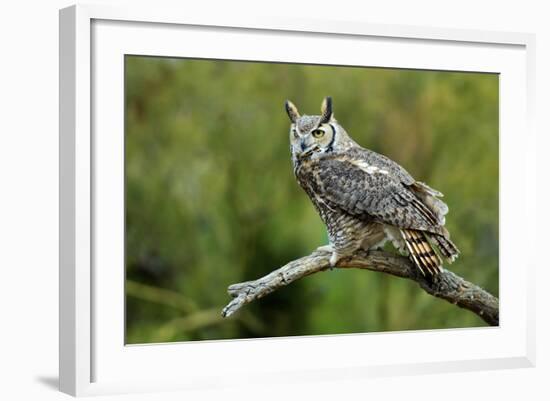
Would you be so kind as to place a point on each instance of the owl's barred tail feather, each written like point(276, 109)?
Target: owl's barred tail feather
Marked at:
point(421, 252)
point(446, 247)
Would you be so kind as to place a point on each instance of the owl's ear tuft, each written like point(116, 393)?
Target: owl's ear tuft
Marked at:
point(326, 110)
point(292, 111)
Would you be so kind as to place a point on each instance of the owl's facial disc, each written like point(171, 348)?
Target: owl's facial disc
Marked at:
point(323, 137)
point(318, 139)
point(315, 141)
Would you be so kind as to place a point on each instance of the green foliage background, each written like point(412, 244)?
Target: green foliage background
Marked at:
point(211, 199)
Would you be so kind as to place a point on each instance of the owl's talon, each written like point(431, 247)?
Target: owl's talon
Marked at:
point(333, 260)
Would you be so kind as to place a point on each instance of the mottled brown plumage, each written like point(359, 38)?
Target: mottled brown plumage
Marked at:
point(363, 197)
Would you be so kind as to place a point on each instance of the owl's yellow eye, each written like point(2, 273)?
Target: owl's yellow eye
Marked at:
point(318, 133)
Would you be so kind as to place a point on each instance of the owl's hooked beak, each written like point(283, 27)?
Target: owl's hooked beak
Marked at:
point(305, 149)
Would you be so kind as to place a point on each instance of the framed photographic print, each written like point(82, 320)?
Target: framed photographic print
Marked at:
point(271, 199)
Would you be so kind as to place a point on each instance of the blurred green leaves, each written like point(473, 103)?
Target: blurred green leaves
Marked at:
point(211, 199)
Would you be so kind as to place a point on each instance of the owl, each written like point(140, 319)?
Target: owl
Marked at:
point(363, 197)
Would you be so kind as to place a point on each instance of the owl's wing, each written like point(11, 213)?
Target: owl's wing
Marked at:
point(362, 189)
point(383, 162)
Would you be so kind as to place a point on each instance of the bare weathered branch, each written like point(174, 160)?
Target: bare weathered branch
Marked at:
point(446, 285)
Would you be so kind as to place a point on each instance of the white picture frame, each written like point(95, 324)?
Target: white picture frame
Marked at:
point(93, 357)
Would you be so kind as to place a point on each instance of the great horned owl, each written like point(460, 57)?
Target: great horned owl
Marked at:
point(363, 197)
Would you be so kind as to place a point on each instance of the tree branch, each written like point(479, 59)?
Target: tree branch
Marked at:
point(445, 285)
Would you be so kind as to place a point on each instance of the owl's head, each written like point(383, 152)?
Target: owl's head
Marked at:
point(313, 136)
